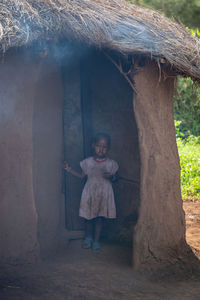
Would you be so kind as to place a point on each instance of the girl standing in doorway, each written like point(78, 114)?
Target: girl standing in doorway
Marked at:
point(97, 200)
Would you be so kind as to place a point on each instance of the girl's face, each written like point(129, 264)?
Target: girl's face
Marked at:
point(101, 148)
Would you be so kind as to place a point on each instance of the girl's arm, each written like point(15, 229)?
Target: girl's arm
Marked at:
point(73, 172)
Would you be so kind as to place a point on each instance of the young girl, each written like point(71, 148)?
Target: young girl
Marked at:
point(97, 200)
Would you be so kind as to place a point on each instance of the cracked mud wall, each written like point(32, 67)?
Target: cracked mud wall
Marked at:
point(159, 235)
point(18, 216)
point(48, 154)
point(31, 155)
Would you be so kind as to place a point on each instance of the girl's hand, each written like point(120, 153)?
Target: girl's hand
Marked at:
point(107, 175)
point(67, 167)
point(73, 172)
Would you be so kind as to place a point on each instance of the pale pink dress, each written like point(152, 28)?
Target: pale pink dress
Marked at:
point(97, 198)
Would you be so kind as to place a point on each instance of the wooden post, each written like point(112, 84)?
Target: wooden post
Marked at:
point(159, 236)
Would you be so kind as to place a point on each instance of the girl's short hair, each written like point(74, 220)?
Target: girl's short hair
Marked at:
point(102, 135)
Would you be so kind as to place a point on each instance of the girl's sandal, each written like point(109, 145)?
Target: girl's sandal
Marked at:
point(96, 246)
point(87, 243)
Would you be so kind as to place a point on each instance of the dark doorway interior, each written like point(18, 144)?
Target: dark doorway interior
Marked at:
point(98, 98)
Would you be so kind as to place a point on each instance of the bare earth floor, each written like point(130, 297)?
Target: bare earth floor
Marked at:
point(76, 273)
point(192, 216)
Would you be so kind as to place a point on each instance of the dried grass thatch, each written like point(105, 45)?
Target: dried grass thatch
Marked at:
point(106, 24)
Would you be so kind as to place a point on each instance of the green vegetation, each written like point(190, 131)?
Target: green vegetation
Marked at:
point(189, 152)
point(187, 107)
point(184, 11)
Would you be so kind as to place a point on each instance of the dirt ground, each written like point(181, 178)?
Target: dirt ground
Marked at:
point(76, 273)
point(192, 216)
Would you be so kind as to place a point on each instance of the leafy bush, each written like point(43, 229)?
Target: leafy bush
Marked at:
point(187, 107)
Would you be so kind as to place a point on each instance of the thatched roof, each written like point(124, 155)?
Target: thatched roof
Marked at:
point(108, 24)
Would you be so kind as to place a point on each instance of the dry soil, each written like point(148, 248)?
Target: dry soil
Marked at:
point(76, 273)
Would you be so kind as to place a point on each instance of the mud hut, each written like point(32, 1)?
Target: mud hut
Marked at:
point(69, 69)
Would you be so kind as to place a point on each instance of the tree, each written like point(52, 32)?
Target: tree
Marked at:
point(187, 96)
point(184, 11)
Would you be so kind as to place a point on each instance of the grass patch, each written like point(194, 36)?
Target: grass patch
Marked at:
point(189, 152)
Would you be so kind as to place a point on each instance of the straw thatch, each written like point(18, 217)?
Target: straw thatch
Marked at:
point(108, 24)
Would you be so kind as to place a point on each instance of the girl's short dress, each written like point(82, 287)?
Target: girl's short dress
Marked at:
point(97, 198)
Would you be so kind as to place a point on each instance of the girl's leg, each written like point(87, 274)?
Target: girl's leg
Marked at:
point(87, 242)
point(88, 228)
point(98, 227)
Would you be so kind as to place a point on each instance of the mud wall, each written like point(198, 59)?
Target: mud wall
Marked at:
point(160, 232)
point(48, 153)
point(31, 155)
point(18, 215)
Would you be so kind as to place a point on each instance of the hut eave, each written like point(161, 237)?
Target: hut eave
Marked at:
point(111, 24)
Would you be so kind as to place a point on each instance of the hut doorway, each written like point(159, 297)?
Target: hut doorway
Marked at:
point(98, 98)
